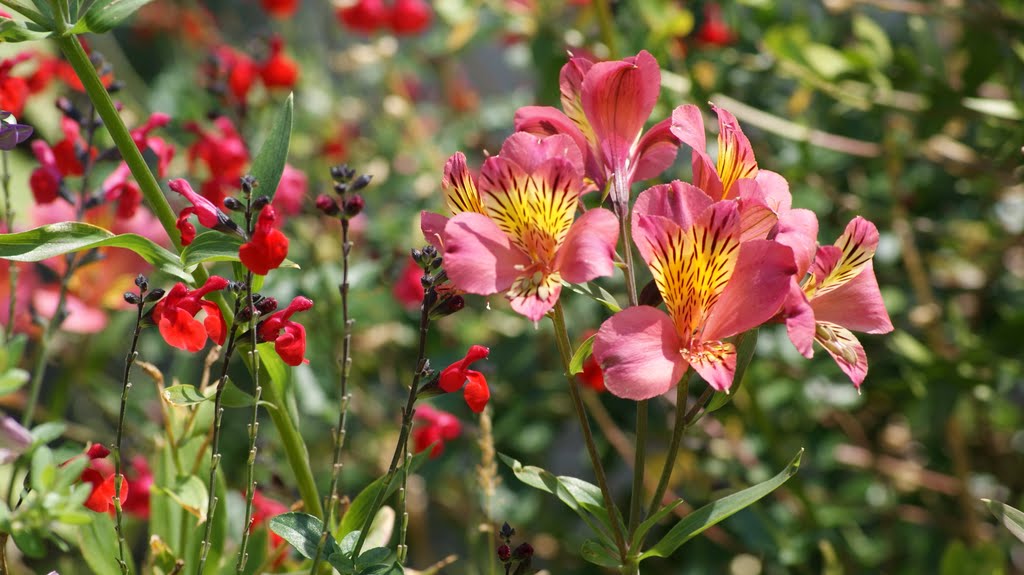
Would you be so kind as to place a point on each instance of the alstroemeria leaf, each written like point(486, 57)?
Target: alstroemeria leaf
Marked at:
point(359, 510)
point(191, 494)
point(103, 15)
point(594, 551)
point(269, 163)
point(303, 532)
point(596, 293)
point(52, 240)
point(643, 528)
point(745, 344)
point(14, 31)
point(580, 357)
point(1010, 517)
point(711, 514)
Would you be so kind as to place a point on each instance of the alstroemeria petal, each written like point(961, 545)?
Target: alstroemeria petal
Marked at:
point(757, 219)
point(459, 187)
point(530, 151)
point(843, 346)
point(533, 297)
point(858, 244)
point(479, 257)
point(855, 305)
point(680, 202)
point(798, 229)
point(799, 318)
point(638, 350)
point(714, 361)
point(589, 249)
point(688, 126)
point(570, 87)
point(755, 292)
point(735, 155)
point(432, 225)
point(655, 151)
point(775, 189)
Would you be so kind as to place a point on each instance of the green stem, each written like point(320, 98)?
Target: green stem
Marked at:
point(682, 392)
point(639, 464)
point(295, 450)
point(12, 267)
point(562, 340)
point(44, 343)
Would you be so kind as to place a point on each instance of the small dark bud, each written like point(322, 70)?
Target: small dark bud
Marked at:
point(448, 307)
point(327, 205)
point(131, 297)
point(354, 205)
point(248, 184)
point(233, 204)
point(429, 251)
point(360, 182)
point(115, 87)
point(650, 295)
point(266, 305)
point(504, 553)
point(155, 295)
point(141, 282)
point(342, 173)
point(260, 203)
point(236, 286)
point(244, 314)
point(340, 189)
point(436, 262)
point(523, 553)
point(93, 201)
point(416, 254)
point(426, 281)
point(506, 531)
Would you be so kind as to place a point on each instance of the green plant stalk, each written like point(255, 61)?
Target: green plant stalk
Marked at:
point(343, 396)
point(562, 340)
point(403, 528)
point(12, 267)
point(679, 427)
point(126, 386)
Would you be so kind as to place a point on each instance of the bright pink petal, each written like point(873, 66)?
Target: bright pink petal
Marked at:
point(529, 150)
point(755, 292)
point(715, 362)
point(775, 189)
point(856, 305)
point(638, 350)
point(679, 202)
point(459, 186)
point(81, 317)
point(655, 151)
point(479, 257)
point(735, 155)
point(799, 318)
point(688, 126)
point(432, 225)
point(570, 85)
point(798, 229)
point(535, 303)
point(589, 249)
point(757, 219)
point(843, 346)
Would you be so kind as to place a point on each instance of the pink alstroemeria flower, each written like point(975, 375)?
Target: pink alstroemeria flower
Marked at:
point(840, 295)
point(605, 107)
point(713, 284)
point(517, 235)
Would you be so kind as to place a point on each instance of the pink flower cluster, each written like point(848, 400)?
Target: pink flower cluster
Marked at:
point(727, 252)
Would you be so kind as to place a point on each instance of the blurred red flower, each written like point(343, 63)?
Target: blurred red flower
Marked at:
point(365, 16)
point(279, 70)
point(409, 17)
point(408, 290)
point(436, 427)
point(280, 8)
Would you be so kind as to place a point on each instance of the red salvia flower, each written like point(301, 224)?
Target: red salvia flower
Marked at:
point(121, 188)
point(408, 290)
point(436, 428)
point(365, 16)
point(224, 154)
point(268, 246)
point(100, 474)
point(14, 90)
point(409, 17)
point(280, 8)
point(46, 180)
point(476, 392)
point(164, 152)
point(68, 151)
point(279, 71)
point(209, 215)
point(715, 31)
point(141, 478)
point(175, 316)
point(288, 336)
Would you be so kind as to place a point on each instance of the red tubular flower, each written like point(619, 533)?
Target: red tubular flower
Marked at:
point(209, 215)
point(100, 474)
point(455, 375)
point(14, 90)
point(268, 246)
point(46, 180)
point(67, 150)
point(137, 501)
point(592, 376)
point(175, 316)
point(164, 151)
point(121, 188)
point(224, 153)
point(715, 31)
point(279, 71)
point(364, 16)
point(288, 336)
point(280, 8)
point(437, 428)
point(409, 17)
point(408, 290)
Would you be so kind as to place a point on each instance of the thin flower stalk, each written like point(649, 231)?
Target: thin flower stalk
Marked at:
point(12, 268)
point(679, 426)
point(343, 396)
point(403, 527)
point(562, 340)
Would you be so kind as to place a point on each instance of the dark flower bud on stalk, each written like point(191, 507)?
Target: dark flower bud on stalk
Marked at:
point(504, 553)
point(426, 281)
point(266, 305)
point(131, 297)
point(447, 307)
point(353, 205)
point(507, 531)
point(115, 87)
point(155, 295)
point(93, 201)
point(342, 173)
point(248, 184)
point(260, 203)
point(360, 182)
point(523, 553)
point(327, 205)
point(416, 254)
point(233, 204)
point(244, 314)
point(141, 282)
point(340, 189)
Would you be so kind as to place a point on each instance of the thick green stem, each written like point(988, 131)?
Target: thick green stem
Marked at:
point(12, 267)
point(562, 340)
point(682, 391)
point(295, 450)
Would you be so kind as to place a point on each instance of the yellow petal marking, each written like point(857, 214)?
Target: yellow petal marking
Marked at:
point(856, 255)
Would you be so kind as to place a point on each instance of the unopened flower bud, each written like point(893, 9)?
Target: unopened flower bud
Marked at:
point(131, 297)
point(260, 203)
point(233, 204)
point(523, 552)
point(426, 281)
point(155, 295)
point(327, 205)
point(244, 314)
point(506, 531)
point(504, 553)
point(266, 305)
point(447, 307)
point(342, 173)
point(248, 184)
point(141, 282)
point(416, 254)
point(354, 205)
point(360, 183)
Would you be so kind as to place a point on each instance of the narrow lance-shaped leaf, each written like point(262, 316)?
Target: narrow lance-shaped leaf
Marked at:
point(580, 357)
point(268, 165)
point(358, 511)
point(1010, 517)
point(711, 514)
point(103, 15)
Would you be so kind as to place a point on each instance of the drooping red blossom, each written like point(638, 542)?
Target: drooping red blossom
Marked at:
point(141, 478)
point(100, 474)
point(408, 289)
point(410, 17)
point(434, 429)
point(264, 509)
point(364, 16)
point(14, 90)
point(291, 191)
point(714, 31)
point(268, 246)
point(209, 215)
point(46, 180)
point(164, 152)
point(279, 71)
point(288, 336)
point(68, 151)
point(223, 152)
point(175, 316)
point(476, 392)
point(236, 69)
point(120, 188)
point(280, 8)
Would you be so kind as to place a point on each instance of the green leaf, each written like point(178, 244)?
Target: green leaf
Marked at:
point(711, 514)
point(191, 494)
point(214, 246)
point(303, 532)
point(98, 542)
point(14, 31)
point(745, 344)
point(47, 432)
point(44, 470)
point(359, 510)
point(269, 163)
point(643, 528)
point(1011, 518)
point(374, 557)
point(105, 14)
point(593, 551)
point(183, 394)
point(12, 380)
point(582, 353)
point(596, 293)
point(56, 239)
point(32, 545)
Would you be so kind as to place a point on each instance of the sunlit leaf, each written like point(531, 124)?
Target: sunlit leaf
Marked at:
point(582, 353)
point(269, 163)
point(106, 14)
point(1010, 517)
